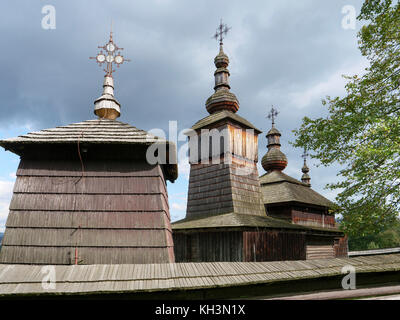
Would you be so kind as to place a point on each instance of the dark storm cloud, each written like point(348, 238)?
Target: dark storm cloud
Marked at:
point(279, 50)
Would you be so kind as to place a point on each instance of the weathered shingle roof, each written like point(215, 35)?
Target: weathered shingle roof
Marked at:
point(100, 131)
point(232, 220)
point(91, 131)
point(174, 277)
point(221, 115)
point(278, 187)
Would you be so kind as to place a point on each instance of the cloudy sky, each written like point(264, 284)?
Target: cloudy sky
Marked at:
point(283, 52)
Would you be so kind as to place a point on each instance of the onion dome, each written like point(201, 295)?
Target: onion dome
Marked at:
point(222, 99)
point(305, 178)
point(274, 159)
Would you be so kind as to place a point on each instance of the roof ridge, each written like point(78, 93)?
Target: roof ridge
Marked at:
point(89, 130)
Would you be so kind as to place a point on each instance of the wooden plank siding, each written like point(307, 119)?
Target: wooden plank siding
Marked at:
point(243, 246)
point(313, 219)
point(109, 212)
point(227, 181)
point(208, 246)
point(341, 247)
point(273, 245)
point(320, 252)
point(320, 248)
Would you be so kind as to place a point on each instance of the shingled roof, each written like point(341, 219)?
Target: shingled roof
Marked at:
point(100, 131)
point(220, 116)
point(174, 278)
point(231, 220)
point(278, 187)
point(93, 131)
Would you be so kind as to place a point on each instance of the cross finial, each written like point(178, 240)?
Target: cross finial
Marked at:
point(221, 31)
point(305, 155)
point(112, 55)
point(272, 114)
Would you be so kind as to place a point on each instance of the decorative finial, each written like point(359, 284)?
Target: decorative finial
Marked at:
point(111, 55)
point(222, 99)
point(272, 114)
point(305, 177)
point(221, 31)
point(106, 106)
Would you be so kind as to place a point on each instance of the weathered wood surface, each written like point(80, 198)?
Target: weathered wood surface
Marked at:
point(88, 131)
point(224, 177)
point(375, 293)
point(373, 252)
point(208, 246)
point(273, 245)
point(219, 188)
point(27, 279)
point(320, 251)
point(102, 138)
point(109, 212)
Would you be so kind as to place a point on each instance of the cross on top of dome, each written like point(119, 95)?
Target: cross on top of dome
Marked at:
point(272, 114)
point(221, 31)
point(112, 55)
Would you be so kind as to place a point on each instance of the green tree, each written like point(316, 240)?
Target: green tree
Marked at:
point(362, 129)
point(388, 238)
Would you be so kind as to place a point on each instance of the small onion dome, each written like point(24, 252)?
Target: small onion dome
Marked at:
point(275, 159)
point(273, 131)
point(221, 60)
point(222, 99)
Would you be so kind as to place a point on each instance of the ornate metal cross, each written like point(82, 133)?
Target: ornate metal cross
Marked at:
point(272, 114)
point(112, 55)
point(221, 31)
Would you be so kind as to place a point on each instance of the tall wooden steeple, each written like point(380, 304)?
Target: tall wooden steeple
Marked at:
point(224, 153)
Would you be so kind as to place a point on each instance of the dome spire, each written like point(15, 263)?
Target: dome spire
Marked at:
point(106, 106)
point(222, 99)
point(305, 177)
point(275, 159)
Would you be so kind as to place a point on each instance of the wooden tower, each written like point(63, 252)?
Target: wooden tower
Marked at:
point(86, 194)
point(226, 218)
point(225, 211)
point(294, 201)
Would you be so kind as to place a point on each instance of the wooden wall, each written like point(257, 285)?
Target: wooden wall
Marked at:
point(313, 219)
point(341, 247)
point(224, 188)
point(246, 246)
point(111, 212)
point(255, 246)
point(273, 246)
point(208, 246)
point(320, 248)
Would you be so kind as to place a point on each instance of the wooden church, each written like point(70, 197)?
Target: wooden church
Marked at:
point(85, 194)
point(232, 214)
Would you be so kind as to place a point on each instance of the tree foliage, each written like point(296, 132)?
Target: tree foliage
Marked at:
point(362, 129)
point(388, 238)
